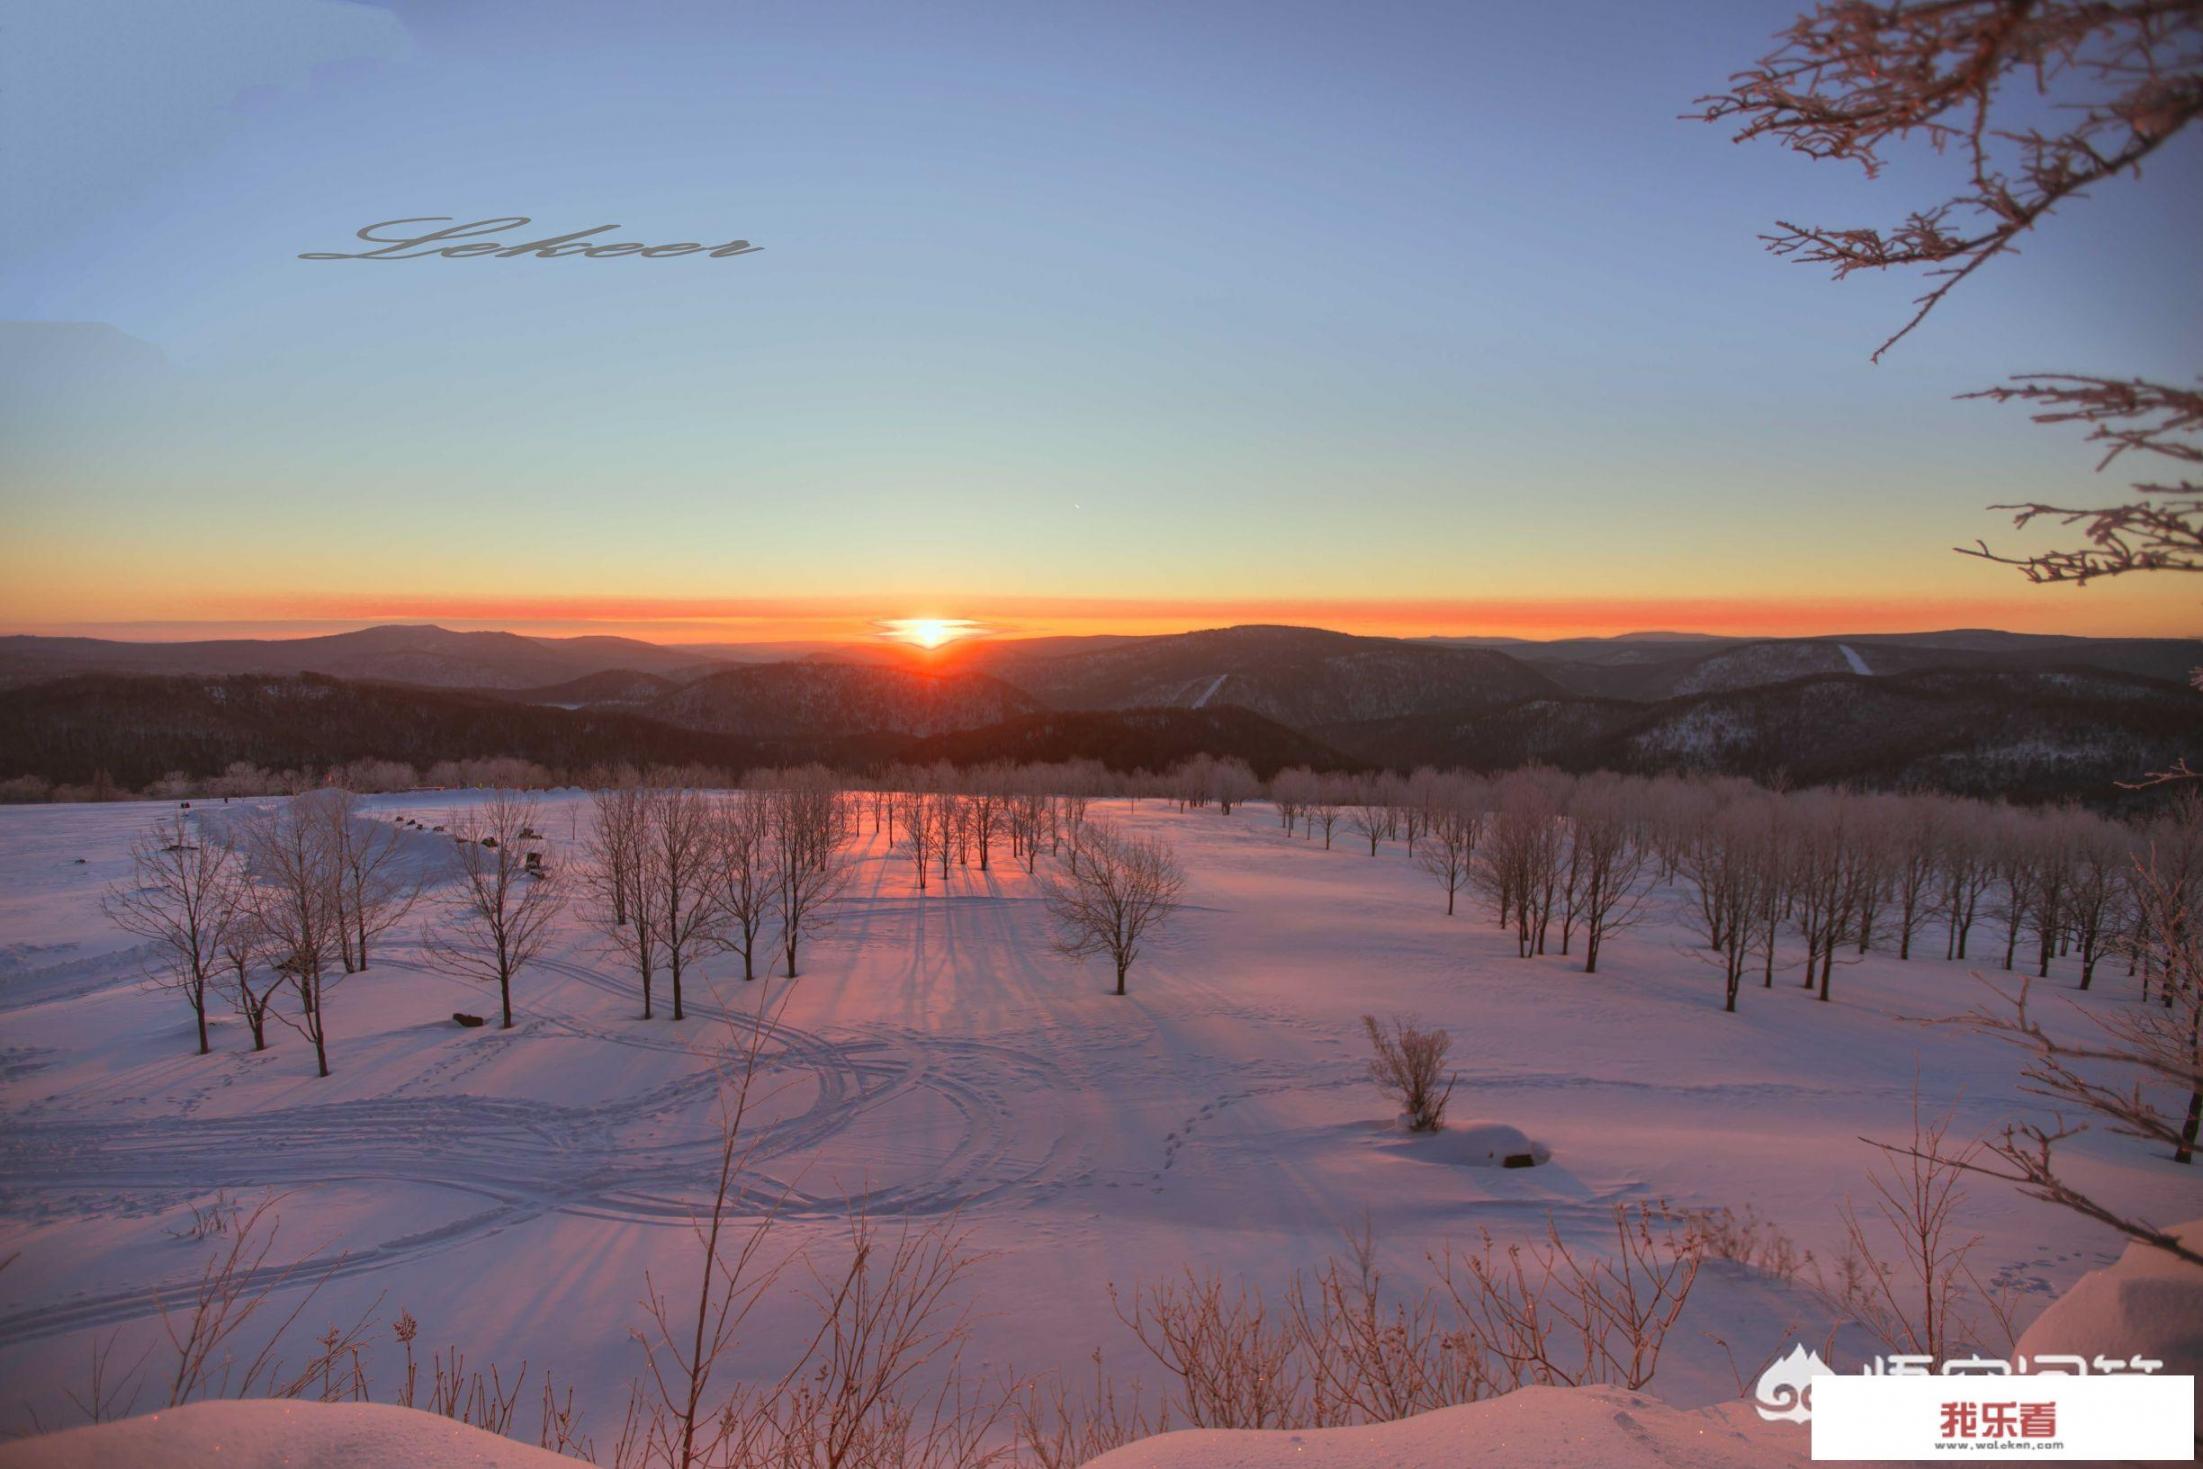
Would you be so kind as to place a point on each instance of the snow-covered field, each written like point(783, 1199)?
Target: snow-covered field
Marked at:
point(511, 1188)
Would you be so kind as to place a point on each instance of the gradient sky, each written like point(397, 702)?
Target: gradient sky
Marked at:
point(1395, 317)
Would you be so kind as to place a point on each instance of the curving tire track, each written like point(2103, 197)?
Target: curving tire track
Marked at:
point(524, 1159)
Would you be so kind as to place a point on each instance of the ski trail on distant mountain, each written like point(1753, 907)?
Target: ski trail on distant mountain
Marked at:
point(1851, 656)
point(1210, 692)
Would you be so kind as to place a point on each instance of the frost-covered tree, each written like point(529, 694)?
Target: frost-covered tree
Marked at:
point(1608, 858)
point(2040, 102)
point(1726, 860)
point(1453, 822)
point(1518, 863)
point(1232, 782)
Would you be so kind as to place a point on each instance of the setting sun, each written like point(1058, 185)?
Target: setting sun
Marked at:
point(927, 632)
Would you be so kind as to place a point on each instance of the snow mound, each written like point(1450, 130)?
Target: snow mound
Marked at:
point(276, 1434)
point(2145, 1304)
point(1532, 1427)
point(1477, 1144)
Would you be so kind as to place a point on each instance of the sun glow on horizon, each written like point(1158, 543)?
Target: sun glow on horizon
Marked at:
point(927, 632)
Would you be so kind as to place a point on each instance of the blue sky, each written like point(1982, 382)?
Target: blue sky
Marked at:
point(1214, 307)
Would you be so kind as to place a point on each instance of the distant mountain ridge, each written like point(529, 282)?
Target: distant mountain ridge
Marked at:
point(2022, 733)
point(138, 728)
point(1973, 710)
point(433, 657)
point(1298, 676)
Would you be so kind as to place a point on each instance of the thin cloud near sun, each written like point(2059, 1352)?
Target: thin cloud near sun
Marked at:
point(929, 632)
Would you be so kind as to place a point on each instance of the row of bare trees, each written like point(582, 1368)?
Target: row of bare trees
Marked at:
point(296, 895)
point(679, 874)
point(287, 897)
point(942, 817)
point(1769, 877)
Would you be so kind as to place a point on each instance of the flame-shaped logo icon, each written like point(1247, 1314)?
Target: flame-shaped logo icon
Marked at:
point(1784, 1392)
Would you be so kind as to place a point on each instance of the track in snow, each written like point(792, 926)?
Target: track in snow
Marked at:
point(644, 1157)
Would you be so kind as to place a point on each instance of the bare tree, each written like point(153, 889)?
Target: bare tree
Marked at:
point(1113, 893)
point(746, 881)
point(986, 807)
point(677, 847)
point(625, 884)
point(2150, 1047)
point(615, 845)
point(1545, 1315)
point(500, 917)
point(809, 864)
point(919, 834)
point(681, 1351)
point(182, 898)
point(296, 907)
point(1922, 1302)
point(374, 890)
point(253, 981)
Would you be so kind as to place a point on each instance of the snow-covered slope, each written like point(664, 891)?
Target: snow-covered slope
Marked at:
point(278, 1435)
point(511, 1188)
point(1533, 1428)
point(2146, 1304)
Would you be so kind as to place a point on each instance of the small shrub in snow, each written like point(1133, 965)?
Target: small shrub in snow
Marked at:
point(1749, 1238)
point(1410, 1064)
point(216, 1218)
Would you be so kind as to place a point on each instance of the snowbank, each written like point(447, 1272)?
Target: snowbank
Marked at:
point(2145, 1304)
point(264, 1434)
point(1477, 1145)
point(1533, 1427)
point(1545, 1427)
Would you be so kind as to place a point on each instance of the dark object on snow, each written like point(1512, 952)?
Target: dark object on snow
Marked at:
point(529, 833)
point(469, 1021)
point(1519, 1160)
point(78, 863)
point(489, 841)
point(186, 805)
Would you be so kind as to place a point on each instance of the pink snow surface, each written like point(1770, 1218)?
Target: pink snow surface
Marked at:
point(937, 1062)
point(1530, 1428)
point(259, 1434)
